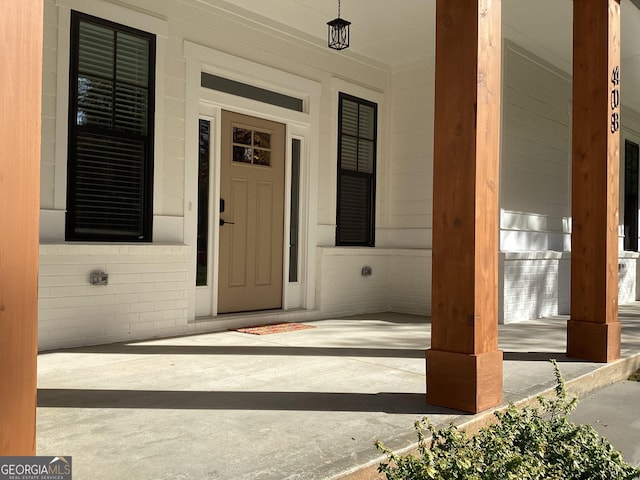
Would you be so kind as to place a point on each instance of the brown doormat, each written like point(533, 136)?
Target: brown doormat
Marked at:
point(276, 328)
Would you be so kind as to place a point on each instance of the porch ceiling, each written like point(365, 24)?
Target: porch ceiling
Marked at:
point(390, 34)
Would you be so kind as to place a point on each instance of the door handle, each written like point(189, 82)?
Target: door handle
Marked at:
point(222, 222)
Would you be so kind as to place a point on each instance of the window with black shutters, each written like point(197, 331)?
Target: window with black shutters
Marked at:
point(110, 162)
point(357, 132)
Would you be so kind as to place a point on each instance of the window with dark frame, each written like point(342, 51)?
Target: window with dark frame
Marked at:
point(631, 177)
point(110, 149)
point(357, 136)
point(294, 219)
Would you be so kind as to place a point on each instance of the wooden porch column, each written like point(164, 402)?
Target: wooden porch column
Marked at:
point(593, 332)
point(21, 31)
point(464, 365)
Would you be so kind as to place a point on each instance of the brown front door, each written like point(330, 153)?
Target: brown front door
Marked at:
point(252, 214)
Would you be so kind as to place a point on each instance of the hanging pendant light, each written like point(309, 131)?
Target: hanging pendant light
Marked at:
point(338, 36)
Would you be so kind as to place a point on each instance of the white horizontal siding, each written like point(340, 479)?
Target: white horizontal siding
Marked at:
point(411, 165)
point(535, 168)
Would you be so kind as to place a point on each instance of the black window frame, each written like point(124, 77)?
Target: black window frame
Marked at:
point(146, 211)
point(370, 208)
point(630, 192)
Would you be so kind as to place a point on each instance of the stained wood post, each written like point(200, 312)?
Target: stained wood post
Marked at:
point(21, 31)
point(464, 365)
point(593, 332)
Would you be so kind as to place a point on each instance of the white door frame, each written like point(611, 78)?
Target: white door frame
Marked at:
point(304, 126)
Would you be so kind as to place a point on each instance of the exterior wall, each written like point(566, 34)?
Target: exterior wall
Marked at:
point(627, 277)
point(536, 167)
point(411, 165)
point(533, 285)
point(535, 188)
point(535, 179)
point(401, 261)
point(341, 287)
point(538, 284)
point(535, 191)
point(150, 284)
point(146, 295)
point(400, 281)
point(211, 27)
point(409, 282)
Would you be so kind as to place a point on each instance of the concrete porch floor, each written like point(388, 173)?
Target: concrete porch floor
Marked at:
point(299, 405)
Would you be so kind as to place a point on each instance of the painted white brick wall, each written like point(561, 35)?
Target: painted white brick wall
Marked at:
point(341, 288)
point(146, 295)
point(538, 284)
point(564, 284)
point(627, 277)
point(530, 285)
point(400, 281)
point(410, 282)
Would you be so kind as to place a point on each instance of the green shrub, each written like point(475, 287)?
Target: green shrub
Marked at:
point(530, 443)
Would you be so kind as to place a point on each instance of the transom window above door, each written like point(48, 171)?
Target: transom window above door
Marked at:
point(251, 146)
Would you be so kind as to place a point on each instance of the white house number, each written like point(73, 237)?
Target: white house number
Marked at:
point(615, 100)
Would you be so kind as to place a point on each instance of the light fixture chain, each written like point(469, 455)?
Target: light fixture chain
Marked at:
point(338, 34)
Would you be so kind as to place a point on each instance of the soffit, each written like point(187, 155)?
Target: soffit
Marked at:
point(399, 32)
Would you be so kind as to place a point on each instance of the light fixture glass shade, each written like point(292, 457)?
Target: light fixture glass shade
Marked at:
point(338, 36)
